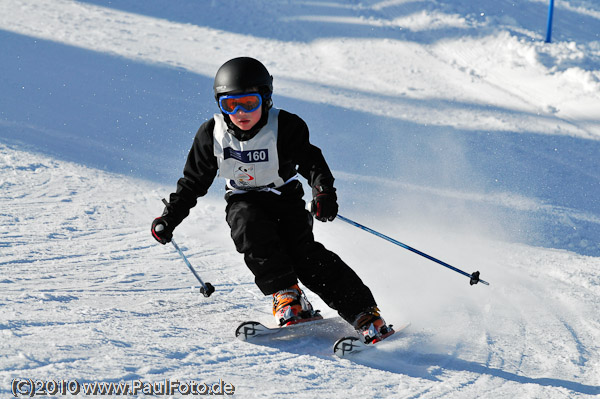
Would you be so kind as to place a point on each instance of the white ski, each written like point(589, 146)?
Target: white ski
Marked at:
point(249, 330)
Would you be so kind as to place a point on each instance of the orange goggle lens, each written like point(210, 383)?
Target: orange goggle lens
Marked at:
point(245, 102)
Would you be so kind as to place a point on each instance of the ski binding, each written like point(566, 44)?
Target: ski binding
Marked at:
point(351, 345)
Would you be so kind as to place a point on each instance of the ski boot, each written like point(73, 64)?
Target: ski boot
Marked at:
point(371, 327)
point(290, 306)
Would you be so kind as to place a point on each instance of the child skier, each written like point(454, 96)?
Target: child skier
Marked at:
point(260, 150)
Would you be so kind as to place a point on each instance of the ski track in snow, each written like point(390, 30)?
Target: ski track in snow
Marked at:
point(86, 294)
point(323, 73)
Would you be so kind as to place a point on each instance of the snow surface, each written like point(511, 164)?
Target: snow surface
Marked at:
point(449, 124)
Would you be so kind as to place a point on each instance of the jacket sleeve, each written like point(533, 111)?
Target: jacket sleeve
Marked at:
point(198, 174)
point(294, 142)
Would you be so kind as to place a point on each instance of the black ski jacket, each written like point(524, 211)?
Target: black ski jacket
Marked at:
point(296, 155)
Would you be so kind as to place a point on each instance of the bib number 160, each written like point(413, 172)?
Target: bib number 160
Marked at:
point(257, 156)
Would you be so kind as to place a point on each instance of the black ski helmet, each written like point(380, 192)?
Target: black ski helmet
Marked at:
point(242, 73)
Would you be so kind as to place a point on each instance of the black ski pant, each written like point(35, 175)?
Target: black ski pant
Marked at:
point(274, 232)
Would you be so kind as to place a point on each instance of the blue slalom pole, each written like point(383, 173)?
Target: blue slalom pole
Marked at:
point(473, 276)
point(549, 24)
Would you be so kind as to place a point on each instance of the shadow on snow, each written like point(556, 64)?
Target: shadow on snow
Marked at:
point(139, 119)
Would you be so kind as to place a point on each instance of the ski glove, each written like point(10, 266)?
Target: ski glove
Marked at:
point(324, 203)
point(162, 230)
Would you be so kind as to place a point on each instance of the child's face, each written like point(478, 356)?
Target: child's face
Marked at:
point(246, 120)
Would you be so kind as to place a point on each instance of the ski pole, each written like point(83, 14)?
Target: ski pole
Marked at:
point(473, 276)
point(207, 288)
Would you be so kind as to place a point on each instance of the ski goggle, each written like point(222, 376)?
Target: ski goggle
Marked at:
point(246, 102)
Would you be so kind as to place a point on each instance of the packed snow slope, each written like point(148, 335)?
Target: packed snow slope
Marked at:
point(450, 125)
